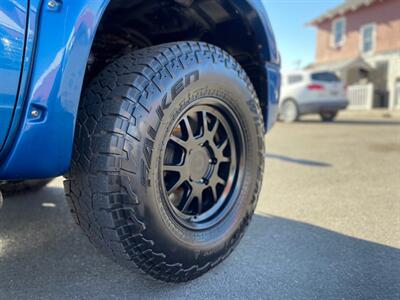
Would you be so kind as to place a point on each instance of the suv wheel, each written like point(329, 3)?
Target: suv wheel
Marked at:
point(289, 111)
point(328, 116)
point(168, 159)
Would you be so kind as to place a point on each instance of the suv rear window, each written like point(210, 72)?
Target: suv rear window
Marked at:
point(325, 76)
point(294, 79)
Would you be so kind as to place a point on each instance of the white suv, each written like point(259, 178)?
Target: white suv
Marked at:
point(308, 92)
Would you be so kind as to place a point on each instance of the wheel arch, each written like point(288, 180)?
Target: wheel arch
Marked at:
point(290, 99)
point(241, 28)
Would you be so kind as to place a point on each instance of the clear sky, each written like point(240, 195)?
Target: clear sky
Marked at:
point(296, 42)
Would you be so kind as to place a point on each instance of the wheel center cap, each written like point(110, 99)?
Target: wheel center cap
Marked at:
point(198, 163)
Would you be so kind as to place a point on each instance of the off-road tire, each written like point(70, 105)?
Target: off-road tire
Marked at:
point(113, 186)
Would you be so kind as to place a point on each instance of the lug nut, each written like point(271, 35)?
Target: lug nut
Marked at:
point(203, 181)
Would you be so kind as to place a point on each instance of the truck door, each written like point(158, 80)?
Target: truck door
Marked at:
point(13, 19)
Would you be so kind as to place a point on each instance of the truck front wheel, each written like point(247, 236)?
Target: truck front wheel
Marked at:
point(168, 159)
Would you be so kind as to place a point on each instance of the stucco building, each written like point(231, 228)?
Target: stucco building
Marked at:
point(360, 40)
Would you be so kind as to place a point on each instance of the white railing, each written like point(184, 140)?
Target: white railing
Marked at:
point(397, 95)
point(360, 96)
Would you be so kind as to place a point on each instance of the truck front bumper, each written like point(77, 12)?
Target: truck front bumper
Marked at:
point(273, 92)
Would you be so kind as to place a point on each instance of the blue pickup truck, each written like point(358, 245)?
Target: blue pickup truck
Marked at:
point(154, 111)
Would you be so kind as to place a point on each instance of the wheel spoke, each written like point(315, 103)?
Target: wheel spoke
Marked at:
point(199, 204)
point(178, 141)
point(220, 181)
point(177, 184)
point(188, 201)
point(209, 134)
point(223, 145)
point(213, 130)
point(224, 159)
point(214, 192)
point(174, 168)
point(214, 183)
point(188, 127)
point(205, 121)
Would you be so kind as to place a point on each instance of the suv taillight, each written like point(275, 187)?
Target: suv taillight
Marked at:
point(315, 87)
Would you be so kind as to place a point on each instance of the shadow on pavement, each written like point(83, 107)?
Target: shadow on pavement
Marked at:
point(44, 255)
point(369, 122)
point(306, 162)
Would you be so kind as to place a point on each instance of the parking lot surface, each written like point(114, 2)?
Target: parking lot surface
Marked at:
point(327, 227)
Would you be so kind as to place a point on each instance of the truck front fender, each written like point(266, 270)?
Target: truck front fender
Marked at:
point(60, 38)
point(40, 146)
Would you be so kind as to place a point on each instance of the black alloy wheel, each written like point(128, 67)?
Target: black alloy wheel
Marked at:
point(202, 165)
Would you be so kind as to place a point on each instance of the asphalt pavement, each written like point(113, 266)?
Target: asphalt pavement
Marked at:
point(327, 227)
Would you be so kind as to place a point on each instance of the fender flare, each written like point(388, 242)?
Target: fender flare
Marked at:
point(41, 147)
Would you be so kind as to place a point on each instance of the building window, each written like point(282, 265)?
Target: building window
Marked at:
point(367, 38)
point(338, 32)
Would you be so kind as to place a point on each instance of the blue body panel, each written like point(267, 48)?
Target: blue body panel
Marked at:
point(259, 21)
point(13, 17)
point(57, 47)
point(274, 84)
point(42, 146)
